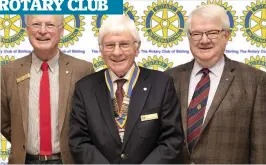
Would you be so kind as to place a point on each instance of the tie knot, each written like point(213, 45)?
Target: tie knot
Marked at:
point(120, 82)
point(205, 71)
point(45, 66)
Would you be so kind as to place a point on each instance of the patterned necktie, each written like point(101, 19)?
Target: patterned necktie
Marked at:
point(45, 114)
point(197, 108)
point(119, 94)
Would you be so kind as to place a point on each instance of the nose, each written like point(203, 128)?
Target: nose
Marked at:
point(205, 39)
point(43, 30)
point(117, 50)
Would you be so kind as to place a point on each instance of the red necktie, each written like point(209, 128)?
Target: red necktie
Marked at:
point(120, 92)
point(45, 114)
point(197, 108)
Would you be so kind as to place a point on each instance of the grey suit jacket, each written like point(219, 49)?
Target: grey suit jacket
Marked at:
point(14, 102)
point(234, 130)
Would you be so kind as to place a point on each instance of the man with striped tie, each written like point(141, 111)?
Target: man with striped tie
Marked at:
point(223, 102)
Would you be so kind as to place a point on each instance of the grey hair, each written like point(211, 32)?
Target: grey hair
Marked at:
point(61, 18)
point(209, 11)
point(116, 24)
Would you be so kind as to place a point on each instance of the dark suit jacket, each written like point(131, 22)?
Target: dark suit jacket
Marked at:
point(15, 99)
point(234, 130)
point(94, 135)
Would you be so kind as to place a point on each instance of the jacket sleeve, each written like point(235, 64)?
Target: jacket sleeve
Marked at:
point(258, 126)
point(80, 142)
point(5, 111)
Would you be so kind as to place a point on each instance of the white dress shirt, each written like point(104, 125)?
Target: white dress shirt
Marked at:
point(215, 76)
point(33, 137)
point(114, 77)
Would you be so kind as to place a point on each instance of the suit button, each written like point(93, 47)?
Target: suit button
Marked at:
point(124, 156)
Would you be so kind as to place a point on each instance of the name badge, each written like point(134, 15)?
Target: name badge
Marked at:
point(22, 78)
point(149, 117)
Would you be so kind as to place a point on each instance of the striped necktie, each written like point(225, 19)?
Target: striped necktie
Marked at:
point(197, 108)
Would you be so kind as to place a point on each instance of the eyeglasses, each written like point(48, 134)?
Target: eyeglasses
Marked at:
point(212, 34)
point(124, 46)
point(48, 26)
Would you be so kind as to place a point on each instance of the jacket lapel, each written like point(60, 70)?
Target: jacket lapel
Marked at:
point(65, 72)
point(225, 82)
point(23, 88)
point(137, 101)
point(184, 98)
point(184, 88)
point(105, 103)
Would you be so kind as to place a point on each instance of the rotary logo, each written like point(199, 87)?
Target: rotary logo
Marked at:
point(73, 25)
point(5, 149)
point(98, 64)
point(128, 10)
point(257, 62)
point(156, 63)
point(12, 30)
point(231, 14)
point(164, 23)
point(254, 23)
point(6, 59)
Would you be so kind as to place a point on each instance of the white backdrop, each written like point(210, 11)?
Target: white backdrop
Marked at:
point(160, 23)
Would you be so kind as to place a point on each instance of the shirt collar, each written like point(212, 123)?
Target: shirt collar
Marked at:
point(216, 69)
point(37, 63)
point(114, 77)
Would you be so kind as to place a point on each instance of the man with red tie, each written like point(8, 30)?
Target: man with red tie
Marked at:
point(223, 102)
point(124, 114)
point(36, 93)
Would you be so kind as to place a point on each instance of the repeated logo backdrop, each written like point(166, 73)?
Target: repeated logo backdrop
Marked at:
point(161, 26)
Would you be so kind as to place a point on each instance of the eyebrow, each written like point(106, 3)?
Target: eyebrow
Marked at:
point(197, 31)
point(117, 41)
point(38, 21)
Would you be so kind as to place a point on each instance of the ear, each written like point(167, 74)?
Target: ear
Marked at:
point(138, 47)
point(139, 44)
point(62, 32)
point(227, 34)
point(100, 48)
point(27, 30)
point(101, 51)
point(137, 51)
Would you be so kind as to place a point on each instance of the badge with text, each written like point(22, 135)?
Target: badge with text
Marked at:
point(152, 116)
point(22, 78)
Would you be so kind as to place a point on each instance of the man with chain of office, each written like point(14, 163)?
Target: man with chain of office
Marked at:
point(124, 114)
